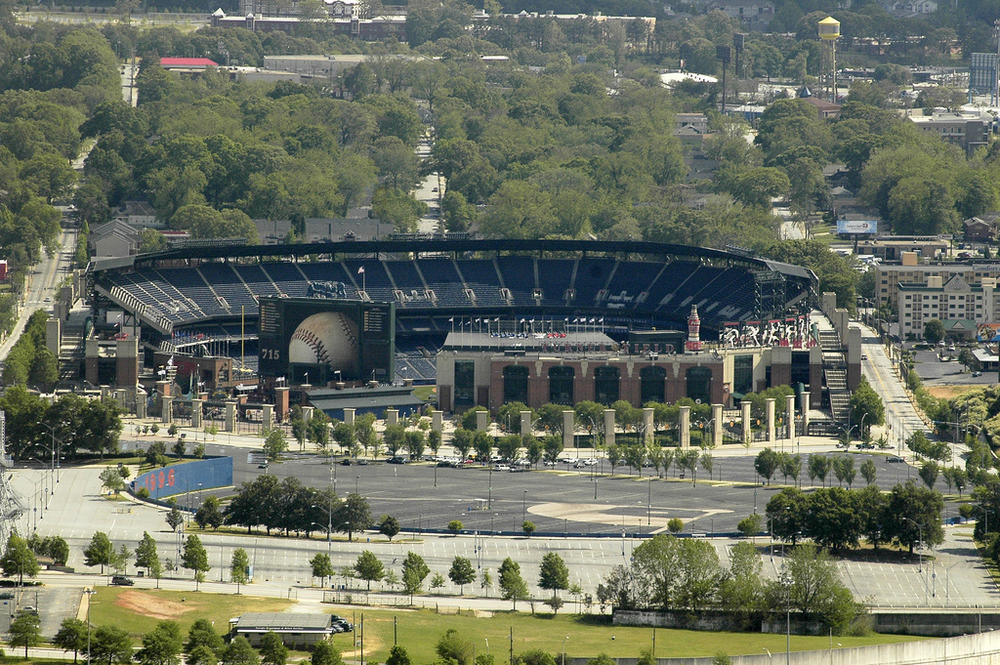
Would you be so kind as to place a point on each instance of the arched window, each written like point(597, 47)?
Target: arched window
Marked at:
point(651, 381)
point(515, 384)
point(699, 381)
point(561, 385)
point(606, 381)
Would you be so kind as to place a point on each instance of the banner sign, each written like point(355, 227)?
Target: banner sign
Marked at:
point(181, 478)
point(793, 331)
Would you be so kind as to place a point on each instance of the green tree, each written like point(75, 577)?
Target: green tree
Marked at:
point(868, 471)
point(239, 652)
point(461, 573)
point(25, 631)
point(910, 506)
point(111, 645)
point(934, 331)
point(553, 575)
point(72, 636)
point(272, 650)
point(162, 645)
point(414, 572)
point(174, 518)
point(766, 463)
point(929, 473)
point(751, 525)
point(819, 467)
point(388, 526)
point(866, 407)
point(453, 647)
point(202, 634)
point(398, 656)
point(99, 551)
point(18, 559)
point(814, 588)
point(275, 444)
point(369, 568)
point(111, 480)
point(210, 513)
point(353, 515)
point(195, 558)
point(321, 567)
point(239, 567)
point(325, 653)
point(512, 585)
point(146, 555)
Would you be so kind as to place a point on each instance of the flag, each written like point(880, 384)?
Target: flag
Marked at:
point(592, 321)
point(451, 320)
point(601, 320)
point(361, 270)
point(522, 320)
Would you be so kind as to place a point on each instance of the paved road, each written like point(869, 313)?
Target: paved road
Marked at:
point(902, 419)
point(42, 281)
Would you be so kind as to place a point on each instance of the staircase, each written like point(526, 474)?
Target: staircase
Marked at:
point(71, 355)
point(835, 375)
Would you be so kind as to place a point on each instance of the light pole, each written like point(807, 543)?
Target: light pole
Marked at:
point(89, 593)
point(564, 650)
point(524, 498)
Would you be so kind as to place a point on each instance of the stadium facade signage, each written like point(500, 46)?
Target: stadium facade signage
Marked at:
point(793, 331)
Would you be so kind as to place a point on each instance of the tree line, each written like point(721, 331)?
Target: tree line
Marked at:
point(667, 573)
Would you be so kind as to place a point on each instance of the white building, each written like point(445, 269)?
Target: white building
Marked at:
point(955, 302)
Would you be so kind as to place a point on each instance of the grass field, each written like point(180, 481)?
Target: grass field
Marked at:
point(138, 611)
point(587, 636)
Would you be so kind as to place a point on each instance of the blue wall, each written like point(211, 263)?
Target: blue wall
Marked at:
point(181, 478)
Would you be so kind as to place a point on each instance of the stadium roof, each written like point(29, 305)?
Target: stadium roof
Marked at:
point(376, 247)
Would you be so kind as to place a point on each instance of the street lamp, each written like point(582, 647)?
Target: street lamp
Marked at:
point(90, 593)
point(564, 650)
point(524, 513)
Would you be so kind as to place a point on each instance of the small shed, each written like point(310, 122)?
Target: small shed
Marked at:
point(297, 631)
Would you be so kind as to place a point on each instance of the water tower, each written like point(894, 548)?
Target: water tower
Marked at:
point(829, 33)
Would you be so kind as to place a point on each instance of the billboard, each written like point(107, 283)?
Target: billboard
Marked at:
point(315, 340)
point(857, 226)
point(983, 73)
point(189, 477)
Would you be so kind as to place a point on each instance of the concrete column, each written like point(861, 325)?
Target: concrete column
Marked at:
point(348, 415)
point(53, 335)
point(684, 427)
point(716, 425)
point(804, 397)
point(196, 413)
point(163, 387)
point(140, 404)
point(569, 429)
point(281, 402)
point(307, 413)
point(167, 412)
point(267, 416)
point(392, 416)
point(790, 415)
point(609, 427)
point(437, 420)
point(525, 422)
point(482, 421)
point(230, 423)
point(647, 425)
point(770, 421)
point(747, 424)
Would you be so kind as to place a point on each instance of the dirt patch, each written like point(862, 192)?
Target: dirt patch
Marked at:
point(949, 392)
point(150, 605)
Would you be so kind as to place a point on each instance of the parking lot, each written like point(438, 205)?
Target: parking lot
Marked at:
point(563, 499)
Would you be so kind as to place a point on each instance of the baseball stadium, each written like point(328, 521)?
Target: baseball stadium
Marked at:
point(207, 307)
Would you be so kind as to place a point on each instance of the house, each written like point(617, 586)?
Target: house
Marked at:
point(113, 239)
point(752, 14)
point(297, 631)
point(137, 214)
point(982, 228)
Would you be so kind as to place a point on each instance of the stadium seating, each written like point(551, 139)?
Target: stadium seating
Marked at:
point(660, 293)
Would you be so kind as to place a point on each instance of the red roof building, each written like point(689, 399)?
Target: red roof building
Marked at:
point(187, 63)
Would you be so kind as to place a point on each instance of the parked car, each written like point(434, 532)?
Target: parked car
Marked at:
point(122, 580)
point(396, 460)
point(893, 459)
